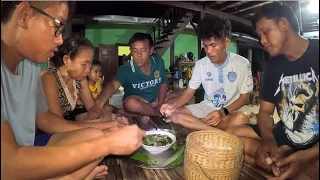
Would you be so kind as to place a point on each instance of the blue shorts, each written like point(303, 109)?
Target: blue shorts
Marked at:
point(42, 139)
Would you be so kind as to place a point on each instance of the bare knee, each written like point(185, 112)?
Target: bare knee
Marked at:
point(176, 118)
point(183, 110)
point(242, 131)
point(131, 105)
point(235, 130)
point(239, 118)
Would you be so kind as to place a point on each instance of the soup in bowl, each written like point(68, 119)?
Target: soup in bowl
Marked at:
point(158, 141)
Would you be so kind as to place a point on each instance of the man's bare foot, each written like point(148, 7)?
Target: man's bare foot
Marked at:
point(121, 120)
point(123, 112)
point(98, 172)
point(145, 119)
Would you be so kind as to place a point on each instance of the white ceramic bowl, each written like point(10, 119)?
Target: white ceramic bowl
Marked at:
point(159, 149)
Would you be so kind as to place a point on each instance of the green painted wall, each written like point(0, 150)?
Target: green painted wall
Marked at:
point(115, 33)
point(232, 47)
point(166, 58)
point(186, 42)
point(112, 34)
point(44, 65)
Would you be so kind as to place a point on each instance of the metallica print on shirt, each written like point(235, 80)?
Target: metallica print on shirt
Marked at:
point(293, 87)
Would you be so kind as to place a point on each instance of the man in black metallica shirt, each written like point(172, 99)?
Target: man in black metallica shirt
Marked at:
point(289, 148)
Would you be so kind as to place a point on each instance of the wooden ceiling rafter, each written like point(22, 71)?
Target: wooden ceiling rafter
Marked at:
point(207, 10)
point(209, 3)
point(248, 6)
point(239, 12)
point(244, 14)
point(225, 5)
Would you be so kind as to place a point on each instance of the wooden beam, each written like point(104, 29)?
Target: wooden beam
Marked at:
point(250, 55)
point(212, 4)
point(247, 42)
point(68, 25)
point(207, 10)
point(312, 26)
point(248, 9)
point(208, 3)
point(245, 13)
point(310, 30)
point(312, 19)
point(246, 6)
point(225, 5)
point(194, 26)
point(199, 40)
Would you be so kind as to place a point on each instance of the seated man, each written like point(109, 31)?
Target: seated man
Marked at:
point(291, 84)
point(143, 78)
point(30, 34)
point(226, 78)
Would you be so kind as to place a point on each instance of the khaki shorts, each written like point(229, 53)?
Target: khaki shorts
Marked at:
point(201, 110)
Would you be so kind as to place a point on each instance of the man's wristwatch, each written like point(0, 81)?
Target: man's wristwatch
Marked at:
point(225, 111)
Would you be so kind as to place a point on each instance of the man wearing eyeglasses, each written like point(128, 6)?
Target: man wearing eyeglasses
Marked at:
point(30, 34)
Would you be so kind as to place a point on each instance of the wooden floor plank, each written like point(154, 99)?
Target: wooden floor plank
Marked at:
point(111, 170)
point(119, 170)
point(174, 174)
point(179, 170)
point(165, 173)
point(160, 175)
point(141, 173)
point(150, 175)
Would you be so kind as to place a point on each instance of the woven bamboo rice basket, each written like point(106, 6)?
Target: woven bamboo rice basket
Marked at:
point(213, 155)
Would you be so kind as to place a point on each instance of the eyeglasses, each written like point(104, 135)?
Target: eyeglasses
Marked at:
point(59, 26)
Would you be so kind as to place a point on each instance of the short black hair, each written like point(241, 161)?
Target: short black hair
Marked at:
point(95, 63)
point(7, 7)
point(214, 27)
point(139, 36)
point(71, 46)
point(276, 11)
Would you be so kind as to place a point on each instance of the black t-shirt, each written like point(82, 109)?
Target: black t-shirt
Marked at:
point(293, 87)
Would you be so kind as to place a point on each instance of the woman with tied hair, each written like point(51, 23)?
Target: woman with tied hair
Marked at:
point(31, 32)
point(66, 81)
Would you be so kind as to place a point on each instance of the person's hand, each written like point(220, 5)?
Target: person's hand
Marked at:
point(214, 118)
point(281, 153)
point(168, 109)
point(125, 140)
point(291, 165)
point(95, 112)
point(266, 150)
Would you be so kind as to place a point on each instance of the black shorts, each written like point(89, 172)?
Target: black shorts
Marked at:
point(42, 139)
point(281, 137)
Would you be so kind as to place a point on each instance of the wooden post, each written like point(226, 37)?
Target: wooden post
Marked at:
point(68, 29)
point(172, 59)
point(250, 55)
point(200, 45)
point(68, 25)
point(300, 18)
